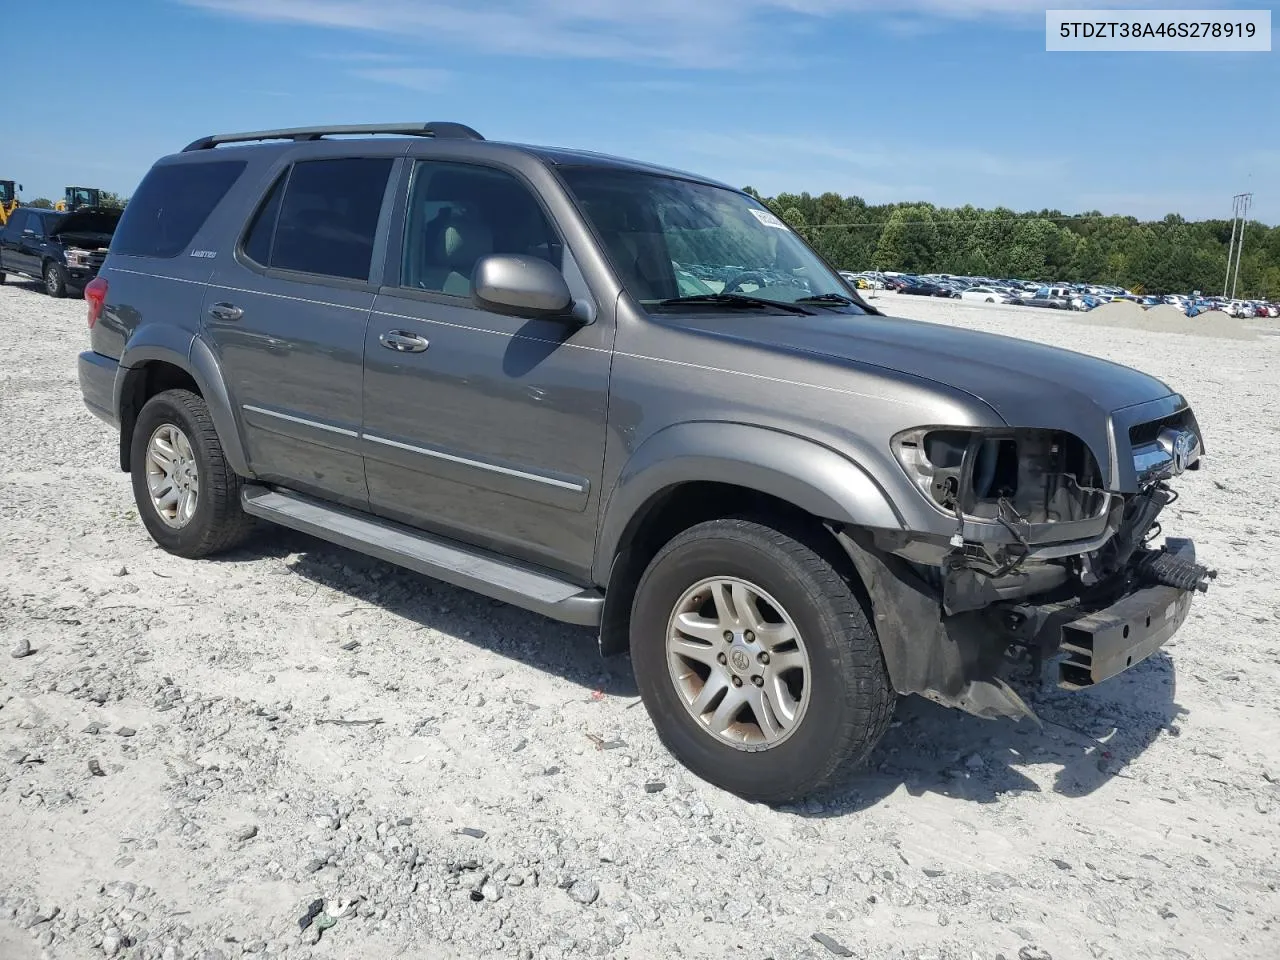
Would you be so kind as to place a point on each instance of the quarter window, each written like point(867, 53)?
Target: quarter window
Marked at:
point(171, 205)
point(459, 213)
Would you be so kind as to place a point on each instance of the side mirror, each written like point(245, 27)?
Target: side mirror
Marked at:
point(520, 286)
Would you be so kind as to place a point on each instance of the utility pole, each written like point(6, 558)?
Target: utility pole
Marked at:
point(1240, 204)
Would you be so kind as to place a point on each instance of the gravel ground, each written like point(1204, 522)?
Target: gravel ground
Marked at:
point(296, 751)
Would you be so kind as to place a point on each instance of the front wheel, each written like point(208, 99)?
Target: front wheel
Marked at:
point(55, 279)
point(756, 661)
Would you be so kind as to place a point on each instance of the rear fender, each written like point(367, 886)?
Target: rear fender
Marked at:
point(165, 344)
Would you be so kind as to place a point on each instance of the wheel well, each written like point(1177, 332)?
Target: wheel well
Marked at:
point(680, 507)
point(141, 384)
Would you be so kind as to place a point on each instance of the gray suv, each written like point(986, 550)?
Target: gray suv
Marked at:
point(633, 398)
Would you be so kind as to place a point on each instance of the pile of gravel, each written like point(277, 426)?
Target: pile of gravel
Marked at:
point(1166, 319)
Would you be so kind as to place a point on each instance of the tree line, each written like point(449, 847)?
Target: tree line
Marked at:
point(1172, 255)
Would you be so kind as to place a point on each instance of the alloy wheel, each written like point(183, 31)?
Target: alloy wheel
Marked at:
point(738, 663)
point(173, 478)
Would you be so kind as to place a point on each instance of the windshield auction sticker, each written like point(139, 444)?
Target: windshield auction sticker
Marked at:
point(1172, 31)
point(767, 218)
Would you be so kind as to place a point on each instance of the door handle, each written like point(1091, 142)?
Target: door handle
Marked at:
point(225, 311)
point(403, 342)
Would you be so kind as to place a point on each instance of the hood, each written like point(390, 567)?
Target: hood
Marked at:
point(1027, 384)
point(96, 221)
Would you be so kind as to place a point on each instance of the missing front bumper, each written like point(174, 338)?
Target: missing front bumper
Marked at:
point(1106, 642)
point(963, 661)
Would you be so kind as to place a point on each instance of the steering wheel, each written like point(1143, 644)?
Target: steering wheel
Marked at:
point(749, 277)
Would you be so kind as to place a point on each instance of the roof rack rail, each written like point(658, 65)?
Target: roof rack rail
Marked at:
point(439, 129)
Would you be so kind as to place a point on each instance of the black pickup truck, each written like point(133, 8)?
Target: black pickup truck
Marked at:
point(62, 250)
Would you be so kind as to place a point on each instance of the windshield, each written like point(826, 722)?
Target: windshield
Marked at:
point(669, 238)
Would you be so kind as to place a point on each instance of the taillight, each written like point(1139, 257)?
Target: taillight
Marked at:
point(95, 292)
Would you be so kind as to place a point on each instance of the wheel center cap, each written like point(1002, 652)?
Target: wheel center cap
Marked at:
point(739, 659)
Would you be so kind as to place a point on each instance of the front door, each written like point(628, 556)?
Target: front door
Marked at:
point(287, 315)
point(483, 427)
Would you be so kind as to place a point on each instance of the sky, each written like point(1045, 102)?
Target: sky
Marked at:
point(943, 101)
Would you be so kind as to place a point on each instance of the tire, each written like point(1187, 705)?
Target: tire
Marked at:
point(846, 700)
point(991, 300)
point(55, 280)
point(212, 520)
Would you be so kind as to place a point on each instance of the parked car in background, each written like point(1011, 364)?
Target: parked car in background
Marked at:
point(986, 295)
point(1052, 298)
point(919, 287)
point(61, 250)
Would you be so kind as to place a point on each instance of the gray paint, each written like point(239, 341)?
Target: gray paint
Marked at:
point(540, 438)
point(521, 287)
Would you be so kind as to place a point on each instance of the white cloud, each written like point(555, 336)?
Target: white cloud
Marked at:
point(423, 79)
point(660, 31)
point(691, 33)
point(871, 155)
point(360, 56)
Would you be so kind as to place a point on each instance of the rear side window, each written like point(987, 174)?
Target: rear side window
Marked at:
point(171, 204)
point(321, 218)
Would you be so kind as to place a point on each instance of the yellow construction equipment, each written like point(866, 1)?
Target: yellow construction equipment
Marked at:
point(8, 199)
point(77, 197)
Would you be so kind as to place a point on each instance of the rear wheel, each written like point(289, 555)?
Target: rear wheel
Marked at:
point(756, 661)
point(55, 279)
point(187, 494)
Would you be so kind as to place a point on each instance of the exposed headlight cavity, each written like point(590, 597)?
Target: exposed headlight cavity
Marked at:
point(1038, 476)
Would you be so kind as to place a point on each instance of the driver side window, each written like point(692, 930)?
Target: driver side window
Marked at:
point(459, 213)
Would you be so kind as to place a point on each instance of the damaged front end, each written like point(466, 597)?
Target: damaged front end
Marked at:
point(1047, 556)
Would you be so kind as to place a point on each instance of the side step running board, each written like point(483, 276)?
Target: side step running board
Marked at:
point(433, 556)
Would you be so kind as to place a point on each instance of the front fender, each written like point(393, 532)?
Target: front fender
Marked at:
point(808, 475)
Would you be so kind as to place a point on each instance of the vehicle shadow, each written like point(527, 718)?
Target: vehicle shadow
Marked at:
point(1088, 736)
point(564, 650)
point(25, 283)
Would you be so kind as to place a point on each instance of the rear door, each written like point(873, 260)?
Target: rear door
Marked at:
point(286, 316)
